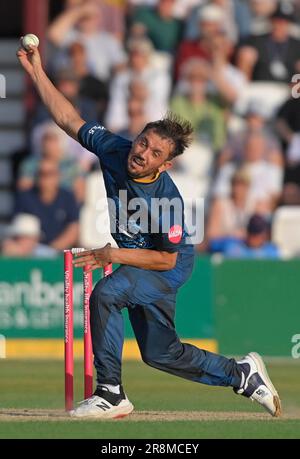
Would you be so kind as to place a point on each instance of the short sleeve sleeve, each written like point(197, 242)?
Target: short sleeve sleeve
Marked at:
point(97, 139)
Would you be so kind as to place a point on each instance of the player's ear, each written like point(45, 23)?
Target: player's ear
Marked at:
point(165, 166)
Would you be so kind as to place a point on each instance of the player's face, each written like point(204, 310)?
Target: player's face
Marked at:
point(149, 155)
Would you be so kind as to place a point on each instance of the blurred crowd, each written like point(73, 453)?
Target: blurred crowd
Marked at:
point(228, 66)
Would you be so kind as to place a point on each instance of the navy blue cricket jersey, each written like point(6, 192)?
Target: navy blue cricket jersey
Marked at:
point(162, 232)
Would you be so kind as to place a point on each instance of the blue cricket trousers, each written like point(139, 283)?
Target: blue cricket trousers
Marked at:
point(150, 299)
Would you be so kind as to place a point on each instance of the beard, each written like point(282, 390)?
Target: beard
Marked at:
point(140, 175)
point(137, 169)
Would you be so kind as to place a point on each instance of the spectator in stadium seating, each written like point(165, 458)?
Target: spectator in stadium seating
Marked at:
point(113, 17)
point(254, 122)
point(296, 5)
point(253, 16)
point(23, 237)
point(183, 9)
point(84, 158)
point(159, 25)
point(288, 127)
point(191, 102)
point(55, 207)
point(136, 119)
point(260, 13)
point(265, 177)
point(53, 144)
point(134, 3)
point(211, 23)
point(227, 82)
point(82, 23)
point(273, 56)
point(257, 243)
point(72, 3)
point(90, 87)
point(141, 79)
point(229, 10)
point(69, 85)
point(229, 216)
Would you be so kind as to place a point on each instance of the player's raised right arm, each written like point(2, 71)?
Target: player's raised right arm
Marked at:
point(62, 111)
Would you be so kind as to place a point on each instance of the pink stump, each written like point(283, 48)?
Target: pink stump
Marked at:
point(68, 330)
point(88, 351)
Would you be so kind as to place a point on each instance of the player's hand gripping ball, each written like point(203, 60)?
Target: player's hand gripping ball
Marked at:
point(30, 40)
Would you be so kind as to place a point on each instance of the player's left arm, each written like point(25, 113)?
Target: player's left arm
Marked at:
point(139, 258)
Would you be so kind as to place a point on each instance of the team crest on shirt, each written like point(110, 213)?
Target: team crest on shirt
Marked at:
point(175, 234)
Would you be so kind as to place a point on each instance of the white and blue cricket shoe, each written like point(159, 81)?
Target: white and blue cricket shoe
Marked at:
point(257, 385)
point(104, 405)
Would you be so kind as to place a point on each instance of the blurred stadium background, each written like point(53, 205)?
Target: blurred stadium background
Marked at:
point(230, 67)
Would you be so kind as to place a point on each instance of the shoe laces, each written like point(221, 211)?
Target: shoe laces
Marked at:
point(88, 401)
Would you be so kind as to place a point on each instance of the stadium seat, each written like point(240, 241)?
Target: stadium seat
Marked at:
point(95, 188)
point(5, 173)
point(94, 219)
point(12, 113)
point(286, 230)
point(196, 161)
point(6, 203)
point(11, 140)
point(272, 94)
point(94, 228)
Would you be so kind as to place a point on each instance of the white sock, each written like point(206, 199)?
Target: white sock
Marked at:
point(111, 388)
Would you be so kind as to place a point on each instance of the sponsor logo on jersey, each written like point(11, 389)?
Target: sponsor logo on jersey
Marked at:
point(175, 234)
point(96, 128)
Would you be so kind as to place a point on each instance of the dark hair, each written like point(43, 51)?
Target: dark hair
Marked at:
point(175, 128)
point(257, 225)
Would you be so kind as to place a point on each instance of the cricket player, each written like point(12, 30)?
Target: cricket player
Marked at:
point(155, 261)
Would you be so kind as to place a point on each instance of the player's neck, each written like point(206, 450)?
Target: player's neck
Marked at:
point(148, 179)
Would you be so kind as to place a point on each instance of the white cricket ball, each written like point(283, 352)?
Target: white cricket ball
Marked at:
point(30, 39)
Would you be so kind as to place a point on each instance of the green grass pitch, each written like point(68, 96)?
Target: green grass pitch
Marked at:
point(166, 406)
